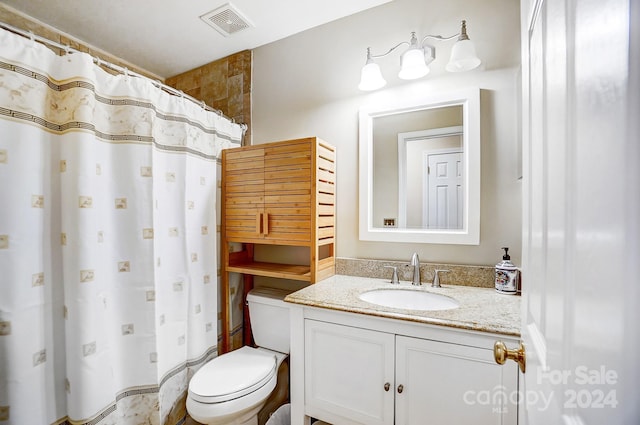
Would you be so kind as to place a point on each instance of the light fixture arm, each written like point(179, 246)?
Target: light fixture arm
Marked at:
point(462, 35)
point(369, 55)
point(439, 37)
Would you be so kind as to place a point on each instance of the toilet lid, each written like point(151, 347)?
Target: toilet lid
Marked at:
point(232, 375)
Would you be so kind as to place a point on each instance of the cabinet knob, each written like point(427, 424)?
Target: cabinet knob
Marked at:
point(400, 389)
point(501, 354)
point(387, 386)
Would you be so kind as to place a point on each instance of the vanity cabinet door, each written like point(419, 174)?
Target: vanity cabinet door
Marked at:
point(444, 383)
point(348, 374)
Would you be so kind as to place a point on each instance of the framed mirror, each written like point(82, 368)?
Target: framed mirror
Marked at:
point(420, 169)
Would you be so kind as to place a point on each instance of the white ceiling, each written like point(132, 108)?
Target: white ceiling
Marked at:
point(167, 37)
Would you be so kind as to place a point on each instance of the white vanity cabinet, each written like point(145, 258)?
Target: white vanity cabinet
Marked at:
point(357, 369)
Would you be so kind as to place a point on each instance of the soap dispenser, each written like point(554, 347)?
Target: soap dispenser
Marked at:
point(506, 275)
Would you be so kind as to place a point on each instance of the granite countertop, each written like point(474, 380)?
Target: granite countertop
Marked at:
point(481, 309)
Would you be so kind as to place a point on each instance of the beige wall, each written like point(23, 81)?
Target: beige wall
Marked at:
point(307, 85)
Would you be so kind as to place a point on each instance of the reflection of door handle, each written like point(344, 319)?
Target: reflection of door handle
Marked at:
point(501, 354)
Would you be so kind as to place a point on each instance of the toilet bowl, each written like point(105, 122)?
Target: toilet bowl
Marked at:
point(232, 388)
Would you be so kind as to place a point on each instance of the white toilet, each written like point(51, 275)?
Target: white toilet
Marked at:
point(232, 388)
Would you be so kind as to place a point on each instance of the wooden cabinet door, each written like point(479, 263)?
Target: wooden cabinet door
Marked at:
point(287, 193)
point(244, 194)
point(348, 374)
point(445, 383)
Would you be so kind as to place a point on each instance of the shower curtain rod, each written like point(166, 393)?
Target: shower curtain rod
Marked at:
point(122, 70)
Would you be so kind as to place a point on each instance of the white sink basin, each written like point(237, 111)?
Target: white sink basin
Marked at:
point(407, 299)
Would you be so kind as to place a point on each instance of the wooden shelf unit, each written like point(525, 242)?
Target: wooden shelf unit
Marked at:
point(280, 194)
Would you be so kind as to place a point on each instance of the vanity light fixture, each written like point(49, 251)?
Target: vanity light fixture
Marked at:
point(415, 60)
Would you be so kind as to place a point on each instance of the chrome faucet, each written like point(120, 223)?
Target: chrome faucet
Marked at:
point(436, 278)
point(415, 262)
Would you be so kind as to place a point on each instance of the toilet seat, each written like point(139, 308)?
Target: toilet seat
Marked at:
point(233, 375)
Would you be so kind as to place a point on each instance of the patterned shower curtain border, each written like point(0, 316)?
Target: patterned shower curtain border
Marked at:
point(151, 389)
point(79, 125)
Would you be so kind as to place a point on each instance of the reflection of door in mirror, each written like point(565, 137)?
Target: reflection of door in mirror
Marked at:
point(401, 144)
point(443, 205)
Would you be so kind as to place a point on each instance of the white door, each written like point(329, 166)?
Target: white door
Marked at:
point(445, 195)
point(581, 261)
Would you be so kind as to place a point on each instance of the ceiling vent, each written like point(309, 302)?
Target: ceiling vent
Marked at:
point(227, 20)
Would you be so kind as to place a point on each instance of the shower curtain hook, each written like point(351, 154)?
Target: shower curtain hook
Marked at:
point(126, 73)
point(32, 37)
point(203, 105)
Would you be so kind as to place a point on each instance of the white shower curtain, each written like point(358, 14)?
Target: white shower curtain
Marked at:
point(108, 268)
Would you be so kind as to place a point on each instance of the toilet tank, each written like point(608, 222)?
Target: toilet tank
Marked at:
point(269, 316)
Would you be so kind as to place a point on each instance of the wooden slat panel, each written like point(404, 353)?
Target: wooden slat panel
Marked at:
point(323, 164)
point(326, 210)
point(250, 187)
point(241, 177)
point(301, 187)
point(243, 235)
point(326, 176)
point(249, 164)
point(326, 199)
point(289, 237)
point(325, 232)
point(287, 224)
point(326, 241)
point(283, 209)
point(328, 152)
point(326, 262)
point(295, 199)
point(241, 222)
point(303, 175)
point(244, 152)
point(324, 273)
point(244, 201)
point(288, 149)
point(324, 187)
point(294, 161)
point(326, 221)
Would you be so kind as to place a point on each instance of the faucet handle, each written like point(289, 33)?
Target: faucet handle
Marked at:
point(436, 278)
point(394, 276)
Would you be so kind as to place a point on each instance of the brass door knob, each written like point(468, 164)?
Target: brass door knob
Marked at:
point(387, 386)
point(400, 388)
point(501, 353)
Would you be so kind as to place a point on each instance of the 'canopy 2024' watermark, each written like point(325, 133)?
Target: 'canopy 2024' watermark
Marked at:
point(581, 387)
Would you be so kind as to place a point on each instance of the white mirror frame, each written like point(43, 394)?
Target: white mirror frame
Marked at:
point(470, 233)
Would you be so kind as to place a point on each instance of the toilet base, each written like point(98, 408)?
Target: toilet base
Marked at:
point(248, 417)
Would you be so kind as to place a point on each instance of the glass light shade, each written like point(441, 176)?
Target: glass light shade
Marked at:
point(371, 77)
point(463, 57)
point(413, 65)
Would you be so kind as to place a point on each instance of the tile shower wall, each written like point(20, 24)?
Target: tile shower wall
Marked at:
point(224, 84)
